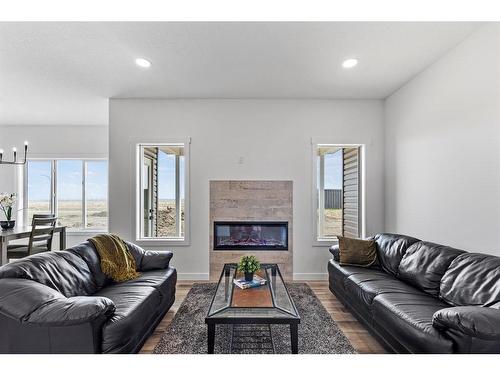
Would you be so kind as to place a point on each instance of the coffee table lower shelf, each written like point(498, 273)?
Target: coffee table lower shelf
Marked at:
point(294, 329)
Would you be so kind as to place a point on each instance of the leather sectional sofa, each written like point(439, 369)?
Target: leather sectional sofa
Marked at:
point(61, 302)
point(423, 297)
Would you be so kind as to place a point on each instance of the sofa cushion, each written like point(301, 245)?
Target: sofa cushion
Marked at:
point(60, 270)
point(162, 280)
point(89, 254)
point(390, 250)
point(472, 279)
point(338, 274)
point(408, 318)
point(155, 260)
point(137, 252)
point(425, 263)
point(136, 306)
point(363, 288)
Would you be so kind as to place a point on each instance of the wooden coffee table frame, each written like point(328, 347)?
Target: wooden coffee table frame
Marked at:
point(293, 321)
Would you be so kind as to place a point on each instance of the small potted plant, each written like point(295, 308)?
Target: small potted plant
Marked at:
point(6, 203)
point(248, 265)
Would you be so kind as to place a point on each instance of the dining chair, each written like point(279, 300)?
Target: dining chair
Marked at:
point(40, 240)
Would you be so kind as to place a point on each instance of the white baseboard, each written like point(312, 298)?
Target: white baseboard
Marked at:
point(193, 276)
point(310, 276)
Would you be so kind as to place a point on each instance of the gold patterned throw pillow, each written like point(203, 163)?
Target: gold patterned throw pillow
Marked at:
point(354, 252)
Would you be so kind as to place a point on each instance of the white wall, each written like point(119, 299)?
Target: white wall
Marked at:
point(273, 137)
point(442, 155)
point(6, 183)
point(51, 142)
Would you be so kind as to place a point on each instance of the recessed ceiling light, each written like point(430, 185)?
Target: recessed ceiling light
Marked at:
point(350, 63)
point(143, 63)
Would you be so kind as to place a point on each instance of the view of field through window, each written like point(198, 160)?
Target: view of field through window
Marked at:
point(166, 225)
point(162, 191)
point(69, 191)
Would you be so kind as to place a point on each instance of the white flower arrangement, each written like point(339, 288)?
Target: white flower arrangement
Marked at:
point(7, 201)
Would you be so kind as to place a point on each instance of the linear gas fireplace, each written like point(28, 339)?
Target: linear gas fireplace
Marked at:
point(250, 235)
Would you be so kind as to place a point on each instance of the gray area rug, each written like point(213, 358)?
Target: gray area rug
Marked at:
point(318, 333)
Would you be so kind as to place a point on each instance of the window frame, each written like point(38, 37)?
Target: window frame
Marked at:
point(316, 143)
point(138, 218)
point(53, 192)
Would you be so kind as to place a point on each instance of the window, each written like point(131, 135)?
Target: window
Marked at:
point(74, 190)
point(337, 192)
point(162, 192)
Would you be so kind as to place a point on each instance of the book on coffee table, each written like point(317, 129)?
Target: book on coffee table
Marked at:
point(243, 284)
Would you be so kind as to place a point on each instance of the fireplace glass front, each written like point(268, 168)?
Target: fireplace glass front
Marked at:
point(256, 235)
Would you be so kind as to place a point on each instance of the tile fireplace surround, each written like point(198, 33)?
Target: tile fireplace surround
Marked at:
point(238, 200)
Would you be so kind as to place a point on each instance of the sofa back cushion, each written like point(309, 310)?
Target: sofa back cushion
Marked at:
point(424, 265)
point(60, 270)
point(390, 250)
point(472, 279)
point(89, 254)
point(137, 252)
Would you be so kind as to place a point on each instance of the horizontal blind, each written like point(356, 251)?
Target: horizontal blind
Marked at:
point(351, 204)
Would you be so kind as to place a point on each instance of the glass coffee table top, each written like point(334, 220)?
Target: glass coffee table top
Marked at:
point(269, 301)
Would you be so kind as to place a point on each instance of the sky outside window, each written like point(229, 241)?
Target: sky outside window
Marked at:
point(39, 180)
point(97, 180)
point(166, 175)
point(333, 170)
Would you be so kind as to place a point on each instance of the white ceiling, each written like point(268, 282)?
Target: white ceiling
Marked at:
point(63, 73)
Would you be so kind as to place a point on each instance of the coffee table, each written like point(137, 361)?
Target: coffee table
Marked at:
point(267, 304)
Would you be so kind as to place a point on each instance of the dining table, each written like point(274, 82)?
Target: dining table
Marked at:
point(19, 232)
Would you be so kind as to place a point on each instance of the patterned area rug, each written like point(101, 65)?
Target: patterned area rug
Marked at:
point(318, 333)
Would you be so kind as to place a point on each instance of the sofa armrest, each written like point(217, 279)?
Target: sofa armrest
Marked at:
point(481, 322)
point(72, 311)
point(29, 302)
point(335, 252)
point(473, 329)
point(153, 260)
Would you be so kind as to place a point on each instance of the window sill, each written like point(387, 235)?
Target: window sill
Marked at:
point(322, 242)
point(84, 232)
point(162, 242)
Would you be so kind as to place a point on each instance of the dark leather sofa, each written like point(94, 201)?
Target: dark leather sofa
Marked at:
point(61, 302)
point(422, 297)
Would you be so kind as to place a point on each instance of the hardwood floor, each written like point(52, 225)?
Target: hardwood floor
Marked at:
point(359, 337)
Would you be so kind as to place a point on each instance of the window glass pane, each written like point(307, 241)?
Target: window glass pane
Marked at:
point(39, 182)
point(170, 221)
point(163, 191)
point(69, 193)
point(96, 192)
point(330, 178)
point(167, 225)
